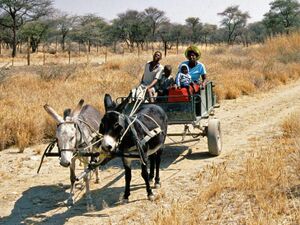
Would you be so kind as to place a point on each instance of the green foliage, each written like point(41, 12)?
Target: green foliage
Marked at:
point(15, 13)
point(283, 16)
point(234, 20)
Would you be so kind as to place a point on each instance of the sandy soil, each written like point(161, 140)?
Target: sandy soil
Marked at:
point(26, 197)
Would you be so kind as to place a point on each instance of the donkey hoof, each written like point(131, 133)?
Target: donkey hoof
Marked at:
point(90, 207)
point(151, 197)
point(97, 181)
point(157, 185)
point(70, 202)
point(125, 201)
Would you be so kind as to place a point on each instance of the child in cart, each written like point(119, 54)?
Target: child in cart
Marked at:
point(166, 82)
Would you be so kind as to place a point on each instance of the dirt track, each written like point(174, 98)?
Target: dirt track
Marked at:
point(30, 198)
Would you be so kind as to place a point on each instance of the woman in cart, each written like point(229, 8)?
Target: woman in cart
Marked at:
point(196, 68)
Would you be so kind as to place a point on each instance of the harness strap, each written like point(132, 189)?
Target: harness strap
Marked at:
point(150, 135)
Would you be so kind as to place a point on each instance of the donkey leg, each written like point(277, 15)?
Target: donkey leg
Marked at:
point(146, 179)
point(157, 164)
point(97, 175)
point(127, 183)
point(88, 192)
point(152, 161)
point(70, 200)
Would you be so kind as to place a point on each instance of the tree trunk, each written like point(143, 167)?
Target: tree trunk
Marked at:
point(138, 47)
point(14, 42)
point(115, 46)
point(28, 52)
point(63, 43)
point(165, 47)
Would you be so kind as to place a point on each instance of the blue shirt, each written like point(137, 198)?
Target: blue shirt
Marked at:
point(196, 71)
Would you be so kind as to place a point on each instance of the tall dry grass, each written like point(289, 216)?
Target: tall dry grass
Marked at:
point(265, 189)
point(236, 71)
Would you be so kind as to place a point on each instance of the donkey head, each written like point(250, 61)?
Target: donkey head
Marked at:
point(66, 131)
point(113, 123)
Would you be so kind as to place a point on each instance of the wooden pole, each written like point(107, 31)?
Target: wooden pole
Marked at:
point(138, 47)
point(105, 54)
point(69, 53)
point(28, 52)
point(0, 47)
point(87, 52)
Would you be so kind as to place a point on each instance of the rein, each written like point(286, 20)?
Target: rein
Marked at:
point(139, 143)
point(82, 136)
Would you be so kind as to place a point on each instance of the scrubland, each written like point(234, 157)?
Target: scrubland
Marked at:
point(236, 70)
point(264, 189)
point(254, 181)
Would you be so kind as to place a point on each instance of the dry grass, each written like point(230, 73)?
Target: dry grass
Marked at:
point(236, 71)
point(264, 190)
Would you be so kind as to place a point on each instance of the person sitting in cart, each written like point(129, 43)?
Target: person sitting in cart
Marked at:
point(152, 74)
point(196, 68)
point(165, 83)
point(183, 78)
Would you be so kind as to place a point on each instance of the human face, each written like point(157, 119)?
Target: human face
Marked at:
point(184, 70)
point(157, 56)
point(192, 56)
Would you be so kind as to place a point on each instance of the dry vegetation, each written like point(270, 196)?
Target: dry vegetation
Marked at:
point(264, 189)
point(236, 70)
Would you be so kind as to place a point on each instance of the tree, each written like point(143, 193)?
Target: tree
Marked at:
point(64, 24)
point(165, 35)
point(177, 33)
point(234, 20)
point(15, 13)
point(257, 32)
point(90, 29)
point(207, 31)
point(154, 18)
point(282, 14)
point(195, 27)
point(131, 28)
point(36, 31)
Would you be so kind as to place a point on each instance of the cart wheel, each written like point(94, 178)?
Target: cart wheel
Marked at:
point(214, 137)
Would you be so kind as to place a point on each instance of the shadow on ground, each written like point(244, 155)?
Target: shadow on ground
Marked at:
point(38, 202)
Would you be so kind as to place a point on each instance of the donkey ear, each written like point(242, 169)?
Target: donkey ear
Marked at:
point(54, 114)
point(77, 110)
point(122, 105)
point(67, 112)
point(109, 104)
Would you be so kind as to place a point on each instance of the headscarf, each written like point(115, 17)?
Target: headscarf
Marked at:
point(195, 49)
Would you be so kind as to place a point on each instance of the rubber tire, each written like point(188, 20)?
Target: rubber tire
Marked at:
point(214, 137)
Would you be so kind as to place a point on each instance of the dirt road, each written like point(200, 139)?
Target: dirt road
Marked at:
point(29, 198)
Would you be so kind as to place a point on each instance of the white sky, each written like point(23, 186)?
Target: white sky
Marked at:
point(176, 10)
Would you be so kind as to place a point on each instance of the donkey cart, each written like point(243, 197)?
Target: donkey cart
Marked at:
point(195, 112)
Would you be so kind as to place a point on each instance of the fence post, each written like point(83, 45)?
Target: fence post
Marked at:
point(0, 47)
point(69, 53)
point(105, 54)
point(28, 52)
point(138, 47)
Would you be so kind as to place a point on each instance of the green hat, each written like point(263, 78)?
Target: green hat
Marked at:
point(194, 49)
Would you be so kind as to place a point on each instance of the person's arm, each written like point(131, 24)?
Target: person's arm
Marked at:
point(203, 76)
point(152, 84)
point(178, 80)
